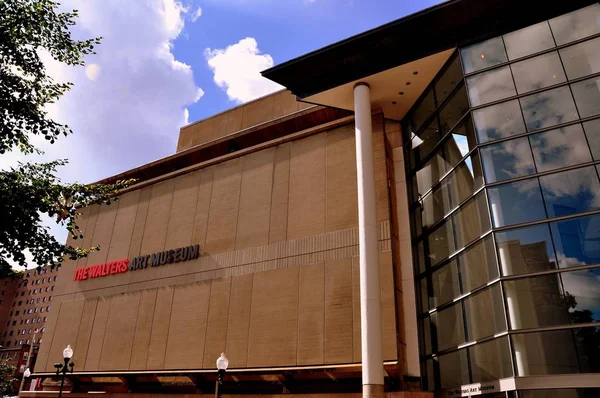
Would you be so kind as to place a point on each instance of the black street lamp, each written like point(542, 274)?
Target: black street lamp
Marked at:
point(222, 364)
point(63, 369)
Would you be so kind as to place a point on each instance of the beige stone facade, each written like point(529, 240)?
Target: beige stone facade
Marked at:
point(276, 283)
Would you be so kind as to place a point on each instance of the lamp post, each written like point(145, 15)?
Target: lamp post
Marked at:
point(25, 375)
point(62, 369)
point(222, 364)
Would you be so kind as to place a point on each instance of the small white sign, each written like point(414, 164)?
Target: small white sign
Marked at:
point(470, 390)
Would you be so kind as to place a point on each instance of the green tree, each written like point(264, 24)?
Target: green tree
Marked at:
point(7, 379)
point(30, 190)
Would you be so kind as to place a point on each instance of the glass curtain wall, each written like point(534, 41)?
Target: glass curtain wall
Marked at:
point(503, 162)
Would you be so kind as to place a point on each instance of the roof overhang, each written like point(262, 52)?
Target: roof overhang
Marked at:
point(452, 24)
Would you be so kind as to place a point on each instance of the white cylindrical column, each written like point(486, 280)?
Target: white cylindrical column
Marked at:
point(370, 292)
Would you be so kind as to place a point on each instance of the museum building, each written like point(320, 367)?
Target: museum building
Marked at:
point(417, 214)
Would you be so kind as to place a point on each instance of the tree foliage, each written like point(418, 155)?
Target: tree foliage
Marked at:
point(7, 379)
point(29, 28)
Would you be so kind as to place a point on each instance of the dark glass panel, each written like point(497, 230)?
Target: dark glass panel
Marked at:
point(429, 137)
point(449, 327)
point(446, 284)
point(525, 250)
point(441, 243)
point(421, 254)
point(436, 204)
point(430, 377)
point(557, 352)
point(482, 55)
point(587, 97)
point(538, 72)
point(581, 59)
point(478, 265)
point(536, 302)
point(498, 121)
point(484, 313)
point(507, 159)
point(462, 140)
point(490, 360)
point(571, 192)
point(427, 335)
point(592, 132)
point(422, 111)
point(548, 108)
point(429, 174)
point(577, 241)
point(454, 369)
point(582, 295)
point(576, 25)
point(456, 187)
point(559, 148)
point(530, 40)
point(491, 86)
point(465, 179)
point(453, 109)
point(448, 79)
point(471, 220)
point(516, 202)
point(424, 295)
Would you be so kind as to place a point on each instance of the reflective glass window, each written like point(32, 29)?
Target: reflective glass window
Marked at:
point(581, 59)
point(490, 360)
point(530, 40)
point(516, 202)
point(538, 72)
point(557, 352)
point(436, 204)
point(571, 192)
point(465, 179)
point(577, 241)
point(448, 79)
point(428, 138)
point(548, 108)
point(449, 327)
point(576, 25)
point(490, 86)
point(587, 96)
point(484, 313)
point(446, 284)
point(423, 111)
point(498, 121)
point(507, 159)
point(554, 299)
point(460, 142)
point(453, 109)
point(471, 220)
point(561, 147)
point(454, 369)
point(536, 302)
point(482, 55)
point(429, 174)
point(525, 250)
point(592, 132)
point(441, 243)
point(478, 265)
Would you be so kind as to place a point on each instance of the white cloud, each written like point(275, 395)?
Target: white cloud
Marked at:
point(127, 105)
point(237, 70)
point(194, 16)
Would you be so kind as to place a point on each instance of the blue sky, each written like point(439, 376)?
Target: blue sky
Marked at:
point(282, 29)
